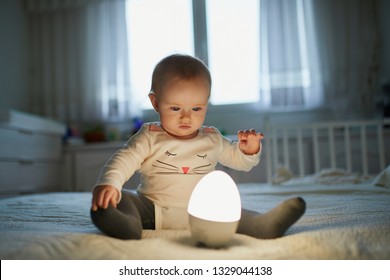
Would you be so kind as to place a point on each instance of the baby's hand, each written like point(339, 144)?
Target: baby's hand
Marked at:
point(104, 195)
point(250, 141)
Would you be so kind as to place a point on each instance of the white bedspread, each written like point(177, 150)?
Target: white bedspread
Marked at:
point(349, 221)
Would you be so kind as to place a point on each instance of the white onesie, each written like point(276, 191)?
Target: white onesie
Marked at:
point(170, 168)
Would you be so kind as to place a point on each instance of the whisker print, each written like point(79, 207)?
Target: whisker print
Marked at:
point(198, 167)
point(201, 172)
point(159, 161)
point(166, 168)
point(170, 173)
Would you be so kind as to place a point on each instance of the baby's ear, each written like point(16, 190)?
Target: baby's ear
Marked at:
point(153, 100)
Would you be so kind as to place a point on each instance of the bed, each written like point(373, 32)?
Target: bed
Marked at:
point(348, 221)
point(347, 217)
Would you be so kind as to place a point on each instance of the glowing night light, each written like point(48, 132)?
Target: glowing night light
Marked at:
point(214, 209)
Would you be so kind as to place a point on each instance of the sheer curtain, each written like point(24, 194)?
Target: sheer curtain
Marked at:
point(348, 41)
point(320, 53)
point(79, 60)
point(289, 59)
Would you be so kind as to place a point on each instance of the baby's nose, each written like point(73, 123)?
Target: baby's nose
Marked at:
point(185, 115)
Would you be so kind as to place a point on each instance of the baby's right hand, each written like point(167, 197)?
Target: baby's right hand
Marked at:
point(104, 195)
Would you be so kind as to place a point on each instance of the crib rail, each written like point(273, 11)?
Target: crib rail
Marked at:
point(356, 146)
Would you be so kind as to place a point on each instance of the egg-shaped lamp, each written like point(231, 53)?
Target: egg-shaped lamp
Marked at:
point(214, 209)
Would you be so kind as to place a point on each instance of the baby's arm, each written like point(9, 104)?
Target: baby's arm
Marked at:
point(104, 195)
point(250, 141)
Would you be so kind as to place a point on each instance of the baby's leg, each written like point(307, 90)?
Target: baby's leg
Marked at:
point(125, 221)
point(275, 222)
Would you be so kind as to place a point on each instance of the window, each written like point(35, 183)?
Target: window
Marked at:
point(233, 49)
point(256, 50)
point(155, 30)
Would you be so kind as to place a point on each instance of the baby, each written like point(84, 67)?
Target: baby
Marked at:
point(172, 156)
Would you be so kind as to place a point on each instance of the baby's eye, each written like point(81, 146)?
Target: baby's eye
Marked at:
point(175, 109)
point(196, 109)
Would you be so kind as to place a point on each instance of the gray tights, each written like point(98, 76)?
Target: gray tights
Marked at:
point(134, 213)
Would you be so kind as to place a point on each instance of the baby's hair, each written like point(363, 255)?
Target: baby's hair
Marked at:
point(178, 66)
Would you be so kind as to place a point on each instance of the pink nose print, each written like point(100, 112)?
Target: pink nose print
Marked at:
point(185, 169)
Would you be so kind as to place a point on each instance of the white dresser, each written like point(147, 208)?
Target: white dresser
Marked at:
point(30, 153)
point(83, 164)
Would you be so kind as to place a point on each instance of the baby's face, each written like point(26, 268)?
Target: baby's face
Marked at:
point(182, 106)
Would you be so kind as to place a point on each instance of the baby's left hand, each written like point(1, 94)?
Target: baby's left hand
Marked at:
point(250, 141)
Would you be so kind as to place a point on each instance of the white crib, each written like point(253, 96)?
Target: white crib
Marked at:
point(356, 146)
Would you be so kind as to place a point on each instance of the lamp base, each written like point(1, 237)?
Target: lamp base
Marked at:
point(211, 233)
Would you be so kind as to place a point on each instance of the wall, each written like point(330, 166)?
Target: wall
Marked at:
point(13, 56)
point(384, 23)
